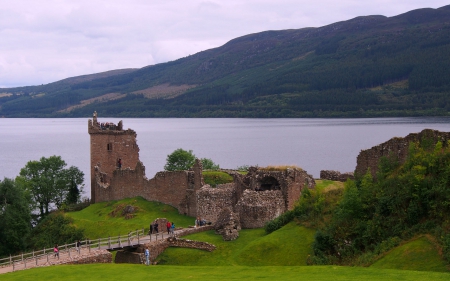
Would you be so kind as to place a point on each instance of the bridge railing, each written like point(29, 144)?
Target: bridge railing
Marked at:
point(37, 257)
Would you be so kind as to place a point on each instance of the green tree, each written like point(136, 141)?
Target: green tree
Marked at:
point(179, 160)
point(48, 182)
point(15, 218)
point(208, 164)
point(55, 229)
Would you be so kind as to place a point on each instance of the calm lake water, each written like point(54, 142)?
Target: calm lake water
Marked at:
point(313, 144)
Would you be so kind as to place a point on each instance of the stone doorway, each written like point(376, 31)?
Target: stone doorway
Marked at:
point(268, 183)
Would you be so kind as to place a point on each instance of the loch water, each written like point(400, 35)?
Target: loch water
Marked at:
point(312, 144)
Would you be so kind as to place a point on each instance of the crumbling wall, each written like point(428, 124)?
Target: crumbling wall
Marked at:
point(395, 147)
point(211, 201)
point(255, 208)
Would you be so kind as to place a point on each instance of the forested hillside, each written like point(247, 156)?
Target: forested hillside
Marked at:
point(366, 66)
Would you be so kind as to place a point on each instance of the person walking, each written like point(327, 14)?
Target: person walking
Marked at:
point(168, 226)
point(151, 228)
point(147, 256)
point(56, 251)
point(78, 246)
point(172, 228)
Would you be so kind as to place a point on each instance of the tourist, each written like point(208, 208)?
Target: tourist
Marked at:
point(172, 228)
point(119, 163)
point(147, 256)
point(168, 225)
point(156, 227)
point(151, 228)
point(56, 251)
point(78, 246)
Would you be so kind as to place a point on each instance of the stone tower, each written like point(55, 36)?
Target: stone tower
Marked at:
point(109, 143)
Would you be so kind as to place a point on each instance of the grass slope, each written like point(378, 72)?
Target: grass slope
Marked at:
point(290, 245)
point(420, 254)
point(120, 272)
point(98, 220)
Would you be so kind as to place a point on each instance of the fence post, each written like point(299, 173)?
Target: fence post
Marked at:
point(13, 265)
point(109, 242)
point(47, 257)
point(99, 243)
point(22, 256)
point(138, 237)
point(33, 253)
point(119, 241)
point(69, 253)
point(10, 259)
point(25, 263)
point(36, 260)
point(129, 240)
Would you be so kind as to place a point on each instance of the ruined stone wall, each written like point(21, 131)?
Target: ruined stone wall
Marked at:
point(166, 187)
point(255, 208)
point(211, 201)
point(96, 256)
point(395, 147)
point(336, 175)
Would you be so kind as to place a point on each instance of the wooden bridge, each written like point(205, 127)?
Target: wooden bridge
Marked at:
point(46, 256)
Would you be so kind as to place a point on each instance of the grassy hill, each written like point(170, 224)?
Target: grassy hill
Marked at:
point(366, 66)
point(290, 245)
point(419, 254)
point(106, 219)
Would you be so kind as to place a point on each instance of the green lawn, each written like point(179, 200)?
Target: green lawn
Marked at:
point(420, 254)
point(121, 272)
point(98, 222)
point(288, 246)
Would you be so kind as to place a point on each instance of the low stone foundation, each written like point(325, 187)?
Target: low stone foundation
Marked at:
point(336, 175)
point(97, 256)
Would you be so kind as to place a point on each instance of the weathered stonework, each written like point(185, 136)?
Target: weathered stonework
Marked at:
point(257, 197)
point(97, 256)
point(336, 175)
point(211, 201)
point(228, 225)
point(395, 147)
point(256, 208)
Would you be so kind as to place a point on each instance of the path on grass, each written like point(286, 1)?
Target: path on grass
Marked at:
point(93, 248)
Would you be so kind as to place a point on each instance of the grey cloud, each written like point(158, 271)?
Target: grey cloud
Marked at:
point(44, 41)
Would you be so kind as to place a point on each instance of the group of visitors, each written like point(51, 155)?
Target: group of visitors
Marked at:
point(200, 222)
point(154, 228)
point(107, 125)
point(170, 227)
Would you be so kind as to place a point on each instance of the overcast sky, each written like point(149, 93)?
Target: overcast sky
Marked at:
point(49, 40)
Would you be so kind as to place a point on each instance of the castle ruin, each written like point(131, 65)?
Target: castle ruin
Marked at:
point(396, 147)
point(117, 173)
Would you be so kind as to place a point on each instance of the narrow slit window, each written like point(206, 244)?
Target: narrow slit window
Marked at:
point(109, 146)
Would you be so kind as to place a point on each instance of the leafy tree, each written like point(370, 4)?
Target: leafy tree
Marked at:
point(208, 164)
point(55, 228)
point(15, 217)
point(179, 160)
point(48, 182)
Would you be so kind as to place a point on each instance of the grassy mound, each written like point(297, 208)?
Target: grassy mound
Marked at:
point(420, 254)
point(120, 272)
point(213, 178)
point(110, 219)
point(288, 246)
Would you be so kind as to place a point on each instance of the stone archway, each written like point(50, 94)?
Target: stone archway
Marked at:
point(268, 183)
